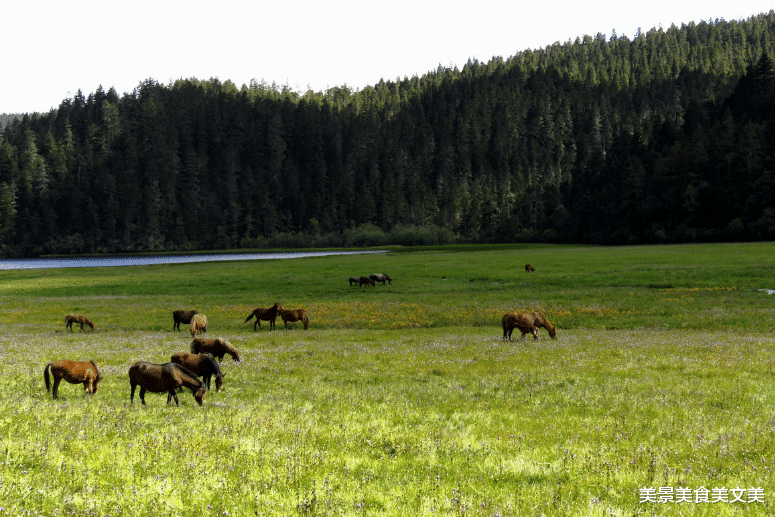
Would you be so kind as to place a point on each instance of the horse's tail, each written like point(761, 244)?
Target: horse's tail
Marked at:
point(305, 320)
point(251, 316)
point(99, 375)
point(45, 377)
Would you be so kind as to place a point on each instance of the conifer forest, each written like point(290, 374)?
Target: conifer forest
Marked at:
point(665, 137)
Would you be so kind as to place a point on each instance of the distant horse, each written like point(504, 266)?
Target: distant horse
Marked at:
point(74, 372)
point(77, 318)
point(539, 321)
point(294, 316)
point(529, 268)
point(204, 365)
point(381, 277)
point(199, 324)
point(167, 377)
point(366, 280)
point(181, 316)
point(218, 347)
point(523, 322)
point(354, 280)
point(269, 315)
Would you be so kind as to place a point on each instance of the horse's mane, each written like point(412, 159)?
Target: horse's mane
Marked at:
point(189, 373)
point(211, 360)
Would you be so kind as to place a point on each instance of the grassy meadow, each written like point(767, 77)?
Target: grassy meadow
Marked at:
point(404, 399)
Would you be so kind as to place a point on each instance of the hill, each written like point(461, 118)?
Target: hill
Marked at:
point(663, 138)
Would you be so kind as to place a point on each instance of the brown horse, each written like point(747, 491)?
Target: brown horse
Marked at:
point(167, 377)
point(218, 347)
point(523, 322)
point(366, 280)
point(181, 316)
point(529, 268)
point(381, 277)
point(74, 372)
point(295, 315)
point(269, 315)
point(204, 365)
point(539, 321)
point(199, 324)
point(77, 318)
point(354, 280)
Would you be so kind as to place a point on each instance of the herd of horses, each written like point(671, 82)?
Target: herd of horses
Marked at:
point(371, 280)
point(195, 369)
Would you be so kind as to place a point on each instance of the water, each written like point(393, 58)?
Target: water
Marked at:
point(44, 263)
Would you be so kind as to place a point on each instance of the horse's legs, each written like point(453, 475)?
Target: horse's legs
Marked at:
point(132, 394)
point(55, 388)
point(142, 395)
point(258, 322)
point(174, 395)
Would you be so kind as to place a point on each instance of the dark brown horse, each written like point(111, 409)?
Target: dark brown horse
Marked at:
point(364, 280)
point(199, 324)
point(77, 318)
point(354, 280)
point(261, 313)
point(293, 316)
point(381, 277)
point(204, 365)
point(161, 378)
point(218, 347)
point(74, 372)
point(181, 316)
point(523, 322)
point(529, 268)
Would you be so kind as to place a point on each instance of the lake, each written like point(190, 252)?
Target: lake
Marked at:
point(114, 261)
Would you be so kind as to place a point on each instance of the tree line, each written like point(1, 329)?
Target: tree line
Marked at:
point(665, 137)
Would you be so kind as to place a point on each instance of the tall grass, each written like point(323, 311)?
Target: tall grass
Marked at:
point(403, 399)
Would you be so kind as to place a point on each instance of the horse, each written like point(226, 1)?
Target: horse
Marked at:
point(523, 322)
point(74, 372)
point(77, 318)
point(381, 277)
point(269, 315)
point(167, 377)
point(366, 280)
point(529, 268)
point(181, 316)
point(199, 324)
point(539, 321)
point(204, 365)
point(218, 347)
point(354, 280)
point(294, 316)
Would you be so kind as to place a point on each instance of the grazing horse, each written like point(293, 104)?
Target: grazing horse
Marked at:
point(199, 324)
point(523, 322)
point(180, 316)
point(269, 315)
point(77, 318)
point(539, 321)
point(293, 316)
point(366, 280)
point(218, 347)
point(74, 372)
point(381, 277)
point(354, 280)
point(204, 365)
point(167, 377)
point(529, 268)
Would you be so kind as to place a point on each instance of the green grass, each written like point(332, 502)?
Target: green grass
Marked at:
point(402, 399)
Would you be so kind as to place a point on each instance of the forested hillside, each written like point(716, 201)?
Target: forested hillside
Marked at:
point(665, 137)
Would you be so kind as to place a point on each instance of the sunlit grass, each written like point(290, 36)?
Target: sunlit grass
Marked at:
point(398, 400)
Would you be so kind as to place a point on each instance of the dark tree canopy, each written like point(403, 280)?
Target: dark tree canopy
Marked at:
point(667, 137)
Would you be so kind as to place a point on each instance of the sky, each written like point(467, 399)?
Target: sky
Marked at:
point(49, 49)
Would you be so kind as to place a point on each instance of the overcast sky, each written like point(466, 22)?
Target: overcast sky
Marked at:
point(50, 49)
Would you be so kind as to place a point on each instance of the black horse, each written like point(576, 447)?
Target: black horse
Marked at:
point(167, 377)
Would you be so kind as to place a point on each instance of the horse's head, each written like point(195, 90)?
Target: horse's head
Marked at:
point(552, 331)
point(219, 383)
point(199, 395)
